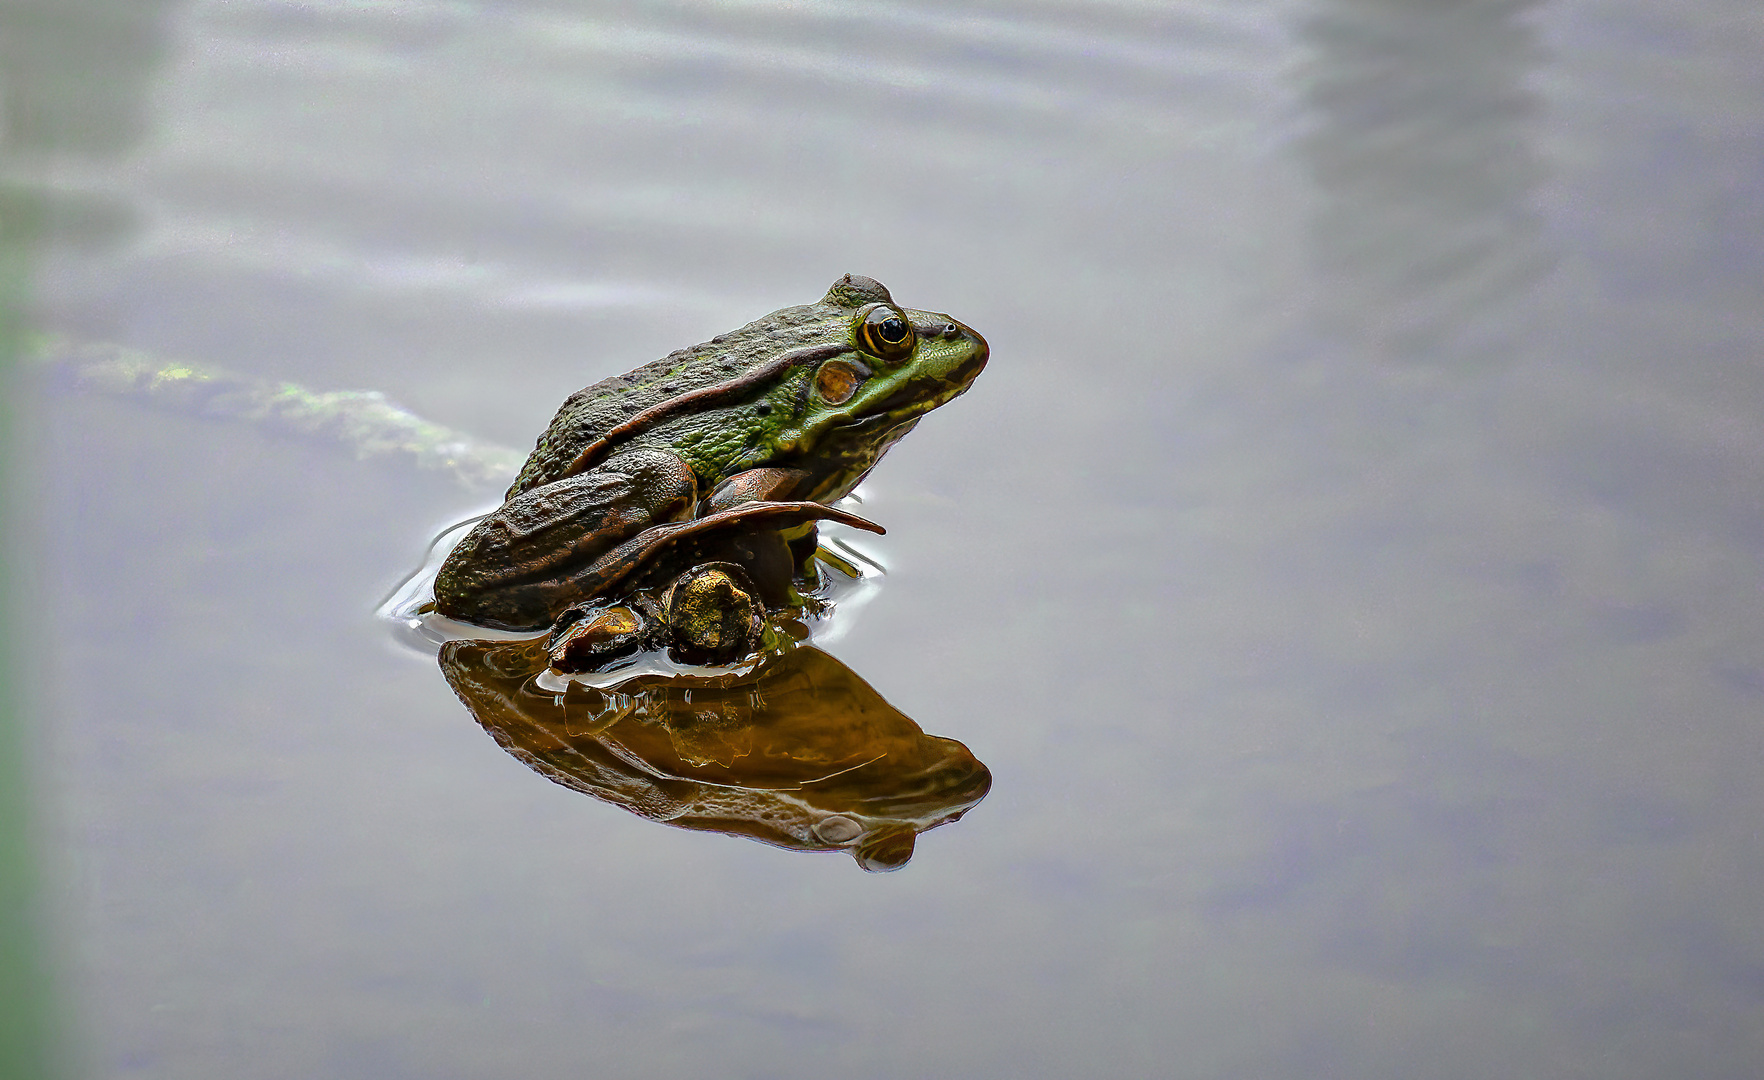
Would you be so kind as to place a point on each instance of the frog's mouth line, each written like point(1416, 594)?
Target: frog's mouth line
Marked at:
point(912, 400)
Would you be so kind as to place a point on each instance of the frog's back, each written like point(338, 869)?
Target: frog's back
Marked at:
point(753, 355)
point(588, 414)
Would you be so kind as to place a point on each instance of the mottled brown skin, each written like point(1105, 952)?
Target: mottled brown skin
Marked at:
point(791, 410)
point(560, 582)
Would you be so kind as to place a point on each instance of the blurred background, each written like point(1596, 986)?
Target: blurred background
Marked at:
point(1348, 565)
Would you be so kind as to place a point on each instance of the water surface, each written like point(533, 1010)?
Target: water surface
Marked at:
point(1347, 566)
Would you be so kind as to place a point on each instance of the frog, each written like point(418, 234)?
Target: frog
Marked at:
point(741, 443)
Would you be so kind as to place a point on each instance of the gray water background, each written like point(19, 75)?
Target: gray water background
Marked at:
point(1348, 565)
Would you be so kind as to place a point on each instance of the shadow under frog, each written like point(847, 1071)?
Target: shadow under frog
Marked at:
point(799, 752)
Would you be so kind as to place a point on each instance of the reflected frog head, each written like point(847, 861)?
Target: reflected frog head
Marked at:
point(798, 753)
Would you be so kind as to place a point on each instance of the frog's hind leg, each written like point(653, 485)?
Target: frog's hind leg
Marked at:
point(679, 544)
point(520, 566)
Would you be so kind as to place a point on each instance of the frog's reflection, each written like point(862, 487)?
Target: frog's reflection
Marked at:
point(799, 752)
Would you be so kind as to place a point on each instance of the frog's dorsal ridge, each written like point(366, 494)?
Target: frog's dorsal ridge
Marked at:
point(705, 397)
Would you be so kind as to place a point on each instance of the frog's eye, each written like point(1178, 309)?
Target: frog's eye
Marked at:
point(884, 334)
point(837, 380)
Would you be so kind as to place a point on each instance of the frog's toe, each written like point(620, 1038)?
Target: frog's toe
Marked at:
point(887, 849)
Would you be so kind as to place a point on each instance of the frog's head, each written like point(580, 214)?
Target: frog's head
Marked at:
point(899, 365)
point(903, 362)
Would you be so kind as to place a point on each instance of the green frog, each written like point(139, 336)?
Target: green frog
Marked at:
point(737, 444)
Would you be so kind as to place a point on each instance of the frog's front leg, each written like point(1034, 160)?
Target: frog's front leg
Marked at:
point(666, 549)
point(520, 566)
point(773, 485)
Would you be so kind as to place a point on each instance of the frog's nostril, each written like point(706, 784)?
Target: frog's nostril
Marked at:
point(951, 330)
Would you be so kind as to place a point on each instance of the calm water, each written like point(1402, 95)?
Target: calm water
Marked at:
point(1348, 566)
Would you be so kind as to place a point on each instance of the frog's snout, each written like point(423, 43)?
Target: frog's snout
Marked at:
point(977, 347)
point(947, 329)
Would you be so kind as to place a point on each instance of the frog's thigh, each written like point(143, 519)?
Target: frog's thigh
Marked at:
point(513, 570)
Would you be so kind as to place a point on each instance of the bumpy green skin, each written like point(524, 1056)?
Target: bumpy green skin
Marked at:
point(781, 422)
point(743, 416)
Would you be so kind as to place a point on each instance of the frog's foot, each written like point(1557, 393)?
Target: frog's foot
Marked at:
point(836, 561)
point(714, 615)
point(804, 604)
